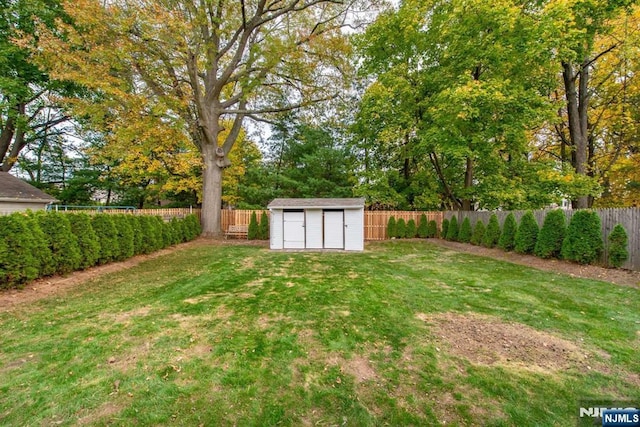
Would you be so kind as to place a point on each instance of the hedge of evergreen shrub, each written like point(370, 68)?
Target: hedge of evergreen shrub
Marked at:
point(479, 231)
point(549, 243)
point(107, 237)
point(464, 235)
point(618, 242)
point(412, 231)
point(432, 229)
point(423, 227)
point(40, 244)
point(401, 229)
point(453, 230)
point(263, 232)
point(445, 228)
point(527, 234)
point(18, 264)
point(41, 252)
point(508, 235)
point(62, 243)
point(88, 242)
point(492, 234)
point(583, 242)
point(254, 229)
point(391, 228)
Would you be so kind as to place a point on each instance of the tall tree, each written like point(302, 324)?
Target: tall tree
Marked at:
point(201, 67)
point(28, 108)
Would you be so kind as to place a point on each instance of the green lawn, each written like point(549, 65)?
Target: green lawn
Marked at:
point(240, 335)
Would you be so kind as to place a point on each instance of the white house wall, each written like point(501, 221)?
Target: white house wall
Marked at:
point(7, 208)
point(313, 227)
point(354, 229)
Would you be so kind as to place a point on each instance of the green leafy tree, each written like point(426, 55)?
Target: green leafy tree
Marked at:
point(88, 241)
point(61, 241)
point(527, 234)
point(479, 231)
point(253, 230)
point(423, 227)
point(618, 242)
point(454, 229)
point(432, 229)
point(411, 229)
point(583, 242)
point(464, 235)
point(401, 229)
point(508, 235)
point(445, 228)
point(391, 228)
point(107, 236)
point(264, 226)
point(549, 243)
point(492, 235)
point(17, 262)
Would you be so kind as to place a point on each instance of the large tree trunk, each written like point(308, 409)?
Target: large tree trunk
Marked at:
point(577, 109)
point(211, 193)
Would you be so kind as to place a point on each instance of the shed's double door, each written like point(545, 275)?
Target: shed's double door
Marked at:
point(305, 231)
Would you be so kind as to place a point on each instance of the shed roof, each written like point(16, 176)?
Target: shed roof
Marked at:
point(13, 189)
point(316, 203)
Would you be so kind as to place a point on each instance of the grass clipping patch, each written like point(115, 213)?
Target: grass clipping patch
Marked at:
point(485, 340)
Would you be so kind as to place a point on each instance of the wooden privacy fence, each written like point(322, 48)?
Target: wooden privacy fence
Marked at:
point(629, 218)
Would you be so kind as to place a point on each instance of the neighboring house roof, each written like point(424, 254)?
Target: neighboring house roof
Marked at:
point(316, 203)
point(13, 189)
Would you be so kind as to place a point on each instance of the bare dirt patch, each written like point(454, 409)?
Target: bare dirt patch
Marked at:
point(103, 413)
point(485, 340)
point(617, 276)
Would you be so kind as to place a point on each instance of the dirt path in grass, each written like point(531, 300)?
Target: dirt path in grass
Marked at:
point(617, 276)
point(58, 285)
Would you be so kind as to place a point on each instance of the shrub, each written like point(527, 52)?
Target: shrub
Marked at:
point(138, 236)
point(88, 242)
point(549, 243)
point(41, 252)
point(445, 228)
point(263, 233)
point(158, 227)
point(196, 229)
point(454, 229)
point(61, 241)
point(17, 262)
point(107, 236)
point(492, 234)
point(423, 227)
point(391, 228)
point(401, 228)
point(508, 235)
point(167, 234)
point(618, 242)
point(432, 228)
point(464, 235)
point(125, 237)
point(583, 242)
point(411, 229)
point(527, 234)
point(175, 231)
point(253, 230)
point(478, 233)
point(151, 233)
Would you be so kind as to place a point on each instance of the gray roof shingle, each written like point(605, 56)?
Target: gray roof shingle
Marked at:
point(316, 203)
point(15, 189)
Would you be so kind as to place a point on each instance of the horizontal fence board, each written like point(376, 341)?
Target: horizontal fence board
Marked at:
point(629, 218)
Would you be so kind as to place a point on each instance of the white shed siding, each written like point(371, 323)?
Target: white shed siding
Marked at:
point(334, 229)
point(354, 229)
point(276, 229)
point(313, 227)
point(7, 208)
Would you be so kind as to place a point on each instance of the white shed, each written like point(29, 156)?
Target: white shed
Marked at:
point(317, 224)
point(16, 195)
